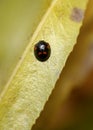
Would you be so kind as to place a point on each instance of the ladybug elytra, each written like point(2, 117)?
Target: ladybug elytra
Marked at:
point(42, 50)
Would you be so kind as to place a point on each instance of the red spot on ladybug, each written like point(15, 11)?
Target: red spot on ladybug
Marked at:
point(35, 48)
point(39, 53)
point(48, 46)
point(42, 51)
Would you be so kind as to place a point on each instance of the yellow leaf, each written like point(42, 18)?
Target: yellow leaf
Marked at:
point(32, 81)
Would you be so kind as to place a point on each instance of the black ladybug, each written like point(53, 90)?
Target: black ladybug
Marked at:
point(42, 51)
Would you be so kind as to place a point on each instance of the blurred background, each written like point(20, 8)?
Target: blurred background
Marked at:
point(70, 106)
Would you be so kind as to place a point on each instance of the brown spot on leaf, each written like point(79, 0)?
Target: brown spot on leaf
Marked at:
point(77, 14)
